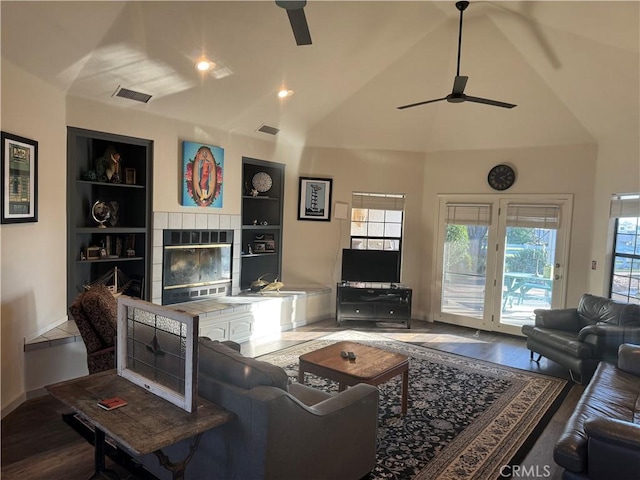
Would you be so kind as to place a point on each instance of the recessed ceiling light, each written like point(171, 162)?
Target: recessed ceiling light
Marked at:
point(204, 65)
point(284, 93)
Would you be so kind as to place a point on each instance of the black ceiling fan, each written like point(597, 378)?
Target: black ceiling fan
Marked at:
point(457, 95)
point(298, 20)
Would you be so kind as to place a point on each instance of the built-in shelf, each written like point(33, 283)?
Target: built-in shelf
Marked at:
point(259, 197)
point(261, 227)
point(114, 185)
point(88, 153)
point(111, 230)
point(265, 207)
point(106, 260)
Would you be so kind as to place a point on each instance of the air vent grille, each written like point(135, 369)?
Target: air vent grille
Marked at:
point(132, 95)
point(269, 130)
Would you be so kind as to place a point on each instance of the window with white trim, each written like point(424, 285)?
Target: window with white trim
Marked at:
point(377, 221)
point(625, 269)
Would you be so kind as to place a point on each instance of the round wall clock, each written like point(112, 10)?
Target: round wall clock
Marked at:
point(501, 177)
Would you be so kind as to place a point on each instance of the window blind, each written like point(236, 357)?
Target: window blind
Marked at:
point(625, 205)
point(533, 216)
point(377, 201)
point(468, 214)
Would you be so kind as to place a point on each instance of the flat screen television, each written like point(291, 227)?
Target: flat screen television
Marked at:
point(370, 266)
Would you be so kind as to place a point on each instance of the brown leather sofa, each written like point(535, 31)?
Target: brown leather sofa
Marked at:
point(601, 441)
point(579, 338)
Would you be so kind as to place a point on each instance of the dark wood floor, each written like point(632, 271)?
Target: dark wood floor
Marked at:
point(36, 444)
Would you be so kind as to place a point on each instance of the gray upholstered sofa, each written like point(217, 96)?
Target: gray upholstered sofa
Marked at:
point(281, 430)
point(579, 338)
point(601, 441)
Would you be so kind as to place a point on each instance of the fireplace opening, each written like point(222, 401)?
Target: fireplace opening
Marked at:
point(197, 265)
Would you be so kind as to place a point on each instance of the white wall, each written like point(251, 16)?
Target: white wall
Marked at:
point(33, 255)
point(565, 169)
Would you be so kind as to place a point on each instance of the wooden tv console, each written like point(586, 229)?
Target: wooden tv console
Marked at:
point(373, 302)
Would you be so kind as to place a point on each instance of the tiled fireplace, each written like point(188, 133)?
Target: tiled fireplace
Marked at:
point(196, 265)
point(191, 230)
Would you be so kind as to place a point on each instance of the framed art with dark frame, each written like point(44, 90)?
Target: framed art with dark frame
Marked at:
point(19, 179)
point(314, 200)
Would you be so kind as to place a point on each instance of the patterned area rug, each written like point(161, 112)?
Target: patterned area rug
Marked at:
point(467, 418)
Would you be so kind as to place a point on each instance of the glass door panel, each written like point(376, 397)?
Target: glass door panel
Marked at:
point(527, 273)
point(464, 270)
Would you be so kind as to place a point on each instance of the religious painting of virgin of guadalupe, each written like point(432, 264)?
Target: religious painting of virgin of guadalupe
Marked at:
point(202, 167)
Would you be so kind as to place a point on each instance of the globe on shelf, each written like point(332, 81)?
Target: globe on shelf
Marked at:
point(101, 213)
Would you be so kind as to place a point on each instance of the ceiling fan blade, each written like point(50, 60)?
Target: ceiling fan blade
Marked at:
point(421, 103)
point(297, 19)
point(299, 26)
point(486, 101)
point(458, 85)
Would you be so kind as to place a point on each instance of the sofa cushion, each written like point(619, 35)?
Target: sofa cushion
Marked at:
point(101, 308)
point(227, 365)
point(560, 340)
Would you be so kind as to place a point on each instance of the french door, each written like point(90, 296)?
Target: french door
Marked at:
point(498, 258)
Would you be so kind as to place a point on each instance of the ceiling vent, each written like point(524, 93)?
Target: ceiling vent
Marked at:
point(131, 95)
point(269, 130)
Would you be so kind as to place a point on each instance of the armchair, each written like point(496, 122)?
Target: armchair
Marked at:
point(579, 338)
point(95, 313)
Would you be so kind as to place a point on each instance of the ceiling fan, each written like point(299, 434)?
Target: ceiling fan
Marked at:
point(457, 95)
point(298, 20)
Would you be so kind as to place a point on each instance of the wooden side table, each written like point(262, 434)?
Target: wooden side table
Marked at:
point(372, 366)
point(145, 425)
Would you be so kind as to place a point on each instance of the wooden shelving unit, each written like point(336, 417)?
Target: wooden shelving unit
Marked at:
point(130, 226)
point(261, 220)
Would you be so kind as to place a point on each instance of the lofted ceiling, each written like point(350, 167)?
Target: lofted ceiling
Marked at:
point(572, 67)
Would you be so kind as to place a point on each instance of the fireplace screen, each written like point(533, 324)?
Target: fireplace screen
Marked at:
point(196, 265)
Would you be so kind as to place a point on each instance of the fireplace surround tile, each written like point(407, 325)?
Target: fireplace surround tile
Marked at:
point(188, 221)
point(157, 241)
point(157, 272)
point(160, 220)
point(213, 221)
point(202, 222)
point(225, 222)
point(175, 221)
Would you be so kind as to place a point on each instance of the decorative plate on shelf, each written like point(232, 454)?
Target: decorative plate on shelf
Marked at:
point(262, 182)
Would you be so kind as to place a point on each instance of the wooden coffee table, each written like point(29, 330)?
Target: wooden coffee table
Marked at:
point(372, 366)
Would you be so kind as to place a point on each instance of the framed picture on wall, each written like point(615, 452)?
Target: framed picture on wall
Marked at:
point(19, 179)
point(314, 201)
point(202, 168)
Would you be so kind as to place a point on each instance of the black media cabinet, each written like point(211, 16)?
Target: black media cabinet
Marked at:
point(373, 302)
